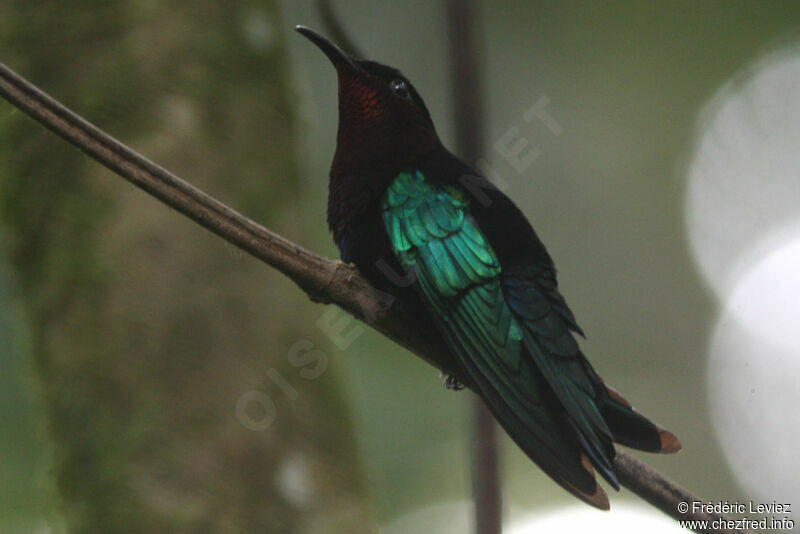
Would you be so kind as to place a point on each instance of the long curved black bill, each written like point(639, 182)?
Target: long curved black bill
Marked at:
point(334, 53)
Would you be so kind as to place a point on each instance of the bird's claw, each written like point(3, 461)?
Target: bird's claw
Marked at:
point(450, 382)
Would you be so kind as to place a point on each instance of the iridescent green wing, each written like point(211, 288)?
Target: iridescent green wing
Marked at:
point(459, 276)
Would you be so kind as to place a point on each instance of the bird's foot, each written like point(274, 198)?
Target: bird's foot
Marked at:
point(451, 382)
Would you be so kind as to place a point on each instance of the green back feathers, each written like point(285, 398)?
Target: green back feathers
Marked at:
point(429, 225)
point(458, 273)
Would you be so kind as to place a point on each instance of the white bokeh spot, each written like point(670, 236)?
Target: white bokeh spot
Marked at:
point(622, 519)
point(744, 178)
point(754, 376)
point(456, 518)
point(743, 215)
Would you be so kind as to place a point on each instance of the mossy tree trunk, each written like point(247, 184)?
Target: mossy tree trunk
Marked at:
point(185, 385)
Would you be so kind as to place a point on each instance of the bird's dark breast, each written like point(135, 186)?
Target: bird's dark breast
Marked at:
point(365, 243)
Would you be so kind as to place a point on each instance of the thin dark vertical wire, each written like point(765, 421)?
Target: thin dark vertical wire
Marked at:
point(469, 132)
point(338, 34)
point(485, 472)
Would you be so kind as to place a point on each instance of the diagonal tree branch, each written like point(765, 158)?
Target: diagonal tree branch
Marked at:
point(323, 279)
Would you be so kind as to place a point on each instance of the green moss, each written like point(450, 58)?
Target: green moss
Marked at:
point(145, 328)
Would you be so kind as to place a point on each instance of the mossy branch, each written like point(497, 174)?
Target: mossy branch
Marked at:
point(323, 279)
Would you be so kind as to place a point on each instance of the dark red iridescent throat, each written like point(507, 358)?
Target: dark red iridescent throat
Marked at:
point(376, 130)
point(360, 102)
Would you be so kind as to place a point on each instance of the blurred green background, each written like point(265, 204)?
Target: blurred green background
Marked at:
point(153, 379)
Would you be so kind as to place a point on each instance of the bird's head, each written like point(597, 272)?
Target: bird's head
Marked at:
point(383, 122)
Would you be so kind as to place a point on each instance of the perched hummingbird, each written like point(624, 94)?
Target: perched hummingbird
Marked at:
point(400, 202)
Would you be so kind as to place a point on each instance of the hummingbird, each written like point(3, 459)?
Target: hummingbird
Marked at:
point(474, 268)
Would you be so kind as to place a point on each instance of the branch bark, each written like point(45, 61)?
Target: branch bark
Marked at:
point(324, 280)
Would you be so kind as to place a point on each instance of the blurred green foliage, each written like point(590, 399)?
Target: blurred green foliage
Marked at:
point(146, 331)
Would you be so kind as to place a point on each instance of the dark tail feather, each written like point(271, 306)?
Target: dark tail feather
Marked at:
point(597, 498)
point(632, 429)
point(602, 460)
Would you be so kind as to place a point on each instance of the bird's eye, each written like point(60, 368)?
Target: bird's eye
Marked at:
point(400, 88)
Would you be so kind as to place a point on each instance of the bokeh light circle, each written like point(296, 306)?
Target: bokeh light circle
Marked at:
point(754, 376)
point(456, 518)
point(743, 218)
point(622, 519)
point(744, 177)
